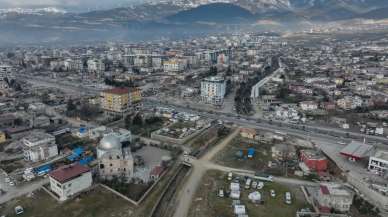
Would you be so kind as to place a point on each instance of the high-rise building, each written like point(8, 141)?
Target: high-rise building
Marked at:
point(213, 90)
point(115, 101)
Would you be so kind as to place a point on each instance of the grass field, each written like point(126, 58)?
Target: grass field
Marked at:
point(227, 156)
point(207, 203)
point(96, 203)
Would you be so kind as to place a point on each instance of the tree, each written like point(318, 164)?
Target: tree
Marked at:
point(128, 121)
point(213, 71)
point(71, 106)
point(137, 120)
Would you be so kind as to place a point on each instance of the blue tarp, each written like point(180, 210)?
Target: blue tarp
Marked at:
point(82, 130)
point(77, 152)
point(86, 160)
point(251, 152)
point(43, 169)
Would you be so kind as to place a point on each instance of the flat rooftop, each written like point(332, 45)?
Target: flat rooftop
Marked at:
point(381, 154)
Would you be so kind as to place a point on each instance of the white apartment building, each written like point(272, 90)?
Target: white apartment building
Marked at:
point(308, 106)
point(379, 163)
point(333, 196)
point(39, 146)
point(213, 90)
point(174, 65)
point(5, 71)
point(69, 180)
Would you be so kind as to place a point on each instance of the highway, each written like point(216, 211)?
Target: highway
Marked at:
point(263, 124)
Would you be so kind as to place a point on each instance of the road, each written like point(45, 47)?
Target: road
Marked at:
point(20, 190)
point(326, 132)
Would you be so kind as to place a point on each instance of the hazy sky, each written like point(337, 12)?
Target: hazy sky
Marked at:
point(66, 4)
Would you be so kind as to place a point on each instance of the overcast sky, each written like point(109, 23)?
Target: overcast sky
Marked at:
point(66, 4)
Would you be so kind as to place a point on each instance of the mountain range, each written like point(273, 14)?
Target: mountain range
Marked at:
point(179, 16)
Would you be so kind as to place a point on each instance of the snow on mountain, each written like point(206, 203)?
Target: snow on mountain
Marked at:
point(35, 11)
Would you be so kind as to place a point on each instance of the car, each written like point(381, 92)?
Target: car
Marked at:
point(230, 176)
point(272, 192)
point(260, 185)
point(11, 183)
point(254, 184)
point(236, 179)
point(221, 193)
point(19, 210)
point(248, 183)
point(287, 198)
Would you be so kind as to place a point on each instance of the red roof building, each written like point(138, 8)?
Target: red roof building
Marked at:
point(314, 160)
point(357, 151)
point(118, 91)
point(68, 172)
point(69, 180)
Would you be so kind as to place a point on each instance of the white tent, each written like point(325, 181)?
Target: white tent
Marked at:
point(239, 209)
point(255, 196)
point(235, 194)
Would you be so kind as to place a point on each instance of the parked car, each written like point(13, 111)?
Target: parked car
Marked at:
point(19, 210)
point(287, 198)
point(260, 185)
point(254, 184)
point(272, 192)
point(230, 176)
point(248, 183)
point(221, 193)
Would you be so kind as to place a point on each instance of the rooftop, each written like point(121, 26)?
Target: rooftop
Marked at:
point(68, 172)
point(214, 79)
point(334, 189)
point(118, 91)
point(356, 149)
point(381, 154)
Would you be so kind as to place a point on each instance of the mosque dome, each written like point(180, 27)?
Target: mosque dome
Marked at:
point(110, 142)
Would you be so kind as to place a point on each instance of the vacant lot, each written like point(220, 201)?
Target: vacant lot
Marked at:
point(96, 203)
point(207, 203)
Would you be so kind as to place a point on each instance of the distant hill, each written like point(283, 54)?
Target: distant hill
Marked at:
point(377, 14)
point(213, 13)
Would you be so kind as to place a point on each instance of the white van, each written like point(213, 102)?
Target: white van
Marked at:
point(248, 183)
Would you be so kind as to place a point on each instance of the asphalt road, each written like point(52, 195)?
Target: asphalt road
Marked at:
point(302, 129)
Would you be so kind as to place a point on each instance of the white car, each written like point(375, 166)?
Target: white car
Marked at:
point(221, 193)
point(11, 183)
point(260, 185)
point(272, 192)
point(254, 184)
point(230, 176)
